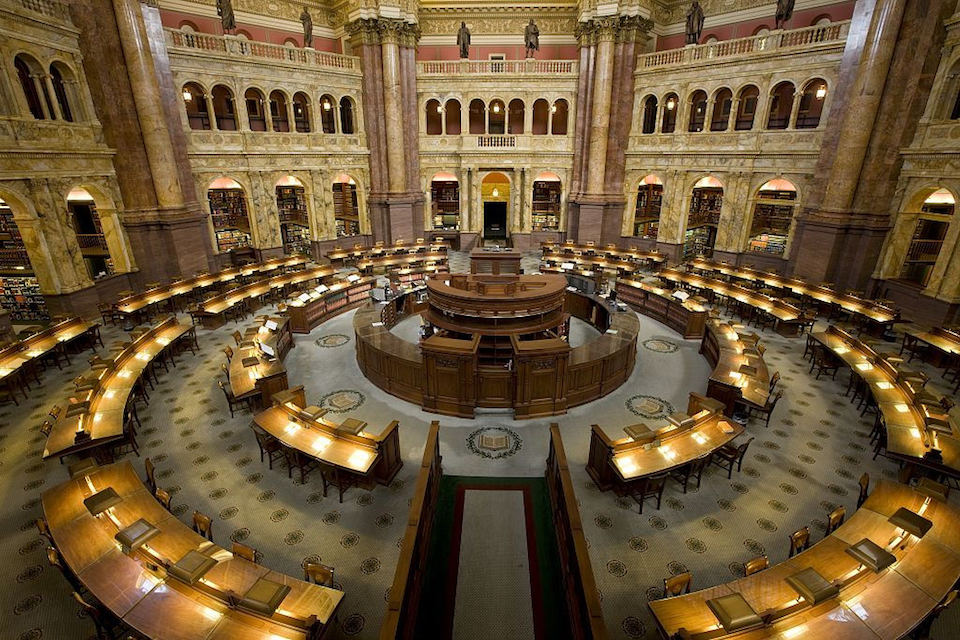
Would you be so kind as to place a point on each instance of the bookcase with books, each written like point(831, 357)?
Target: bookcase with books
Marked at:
point(546, 206)
point(19, 289)
point(646, 221)
point(228, 210)
point(772, 217)
point(296, 238)
point(292, 205)
point(705, 205)
point(445, 205)
point(346, 211)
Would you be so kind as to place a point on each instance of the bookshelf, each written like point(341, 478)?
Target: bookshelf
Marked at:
point(699, 242)
point(292, 205)
point(228, 210)
point(705, 206)
point(296, 238)
point(22, 297)
point(346, 211)
point(646, 222)
point(772, 216)
point(445, 205)
point(546, 206)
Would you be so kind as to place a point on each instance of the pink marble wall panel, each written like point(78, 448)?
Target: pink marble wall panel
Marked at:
point(203, 24)
point(482, 52)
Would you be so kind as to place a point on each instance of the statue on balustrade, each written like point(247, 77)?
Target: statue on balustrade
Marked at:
point(694, 23)
point(784, 12)
point(531, 38)
point(463, 40)
point(227, 19)
point(307, 28)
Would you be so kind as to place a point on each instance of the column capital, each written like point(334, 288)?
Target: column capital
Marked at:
point(384, 30)
point(613, 28)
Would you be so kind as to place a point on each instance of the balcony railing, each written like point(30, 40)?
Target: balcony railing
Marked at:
point(478, 67)
point(51, 8)
point(833, 33)
point(237, 48)
point(493, 142)
point(92, 241)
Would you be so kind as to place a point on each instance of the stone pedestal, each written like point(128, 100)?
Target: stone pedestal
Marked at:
point(396, 217)
point(841, 248)
point(595, 218)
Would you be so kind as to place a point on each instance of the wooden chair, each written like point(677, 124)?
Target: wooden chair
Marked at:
point(824, 362)
point(766, 410)
point(237, 337)
point(55, 412)
point(648, 487)
point(864, 486)
point(268, 445)
point(728, 455)
point(296, 459)
point(151, 470)
point(107, 313)
point(677, 585)
point(104, 622)
point(246, 552)
point(318, 574)
point(774, 381)
point(799, 541)
point(46, 427)
point(164, 498)
point(691, 470)
point(232, 400)
point(203, 525)
point(228, 351)
point(755, 565)
point(335, 477)
point(56, 560)
point(810, 346)
point(834, 520)
point(44, 531)
point(922, 632)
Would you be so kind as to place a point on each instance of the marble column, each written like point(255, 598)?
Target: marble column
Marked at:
point(41, 93)
point(54, 102)
point(148, 102)
point(600, 122)
point(392, 108)
point(794, 109)
point(211, 112)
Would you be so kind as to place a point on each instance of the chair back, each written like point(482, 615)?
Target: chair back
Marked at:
point(88, 608)
point(228, 351)
point(742, 449)
point(238, 337)
point(799, 541)
point(318, 573)
point(949, 599)
point(757, 564)
point(53, 557)
point(774, 380)
point(151, 472)
point(163, 497)
point(264, 439)
point(864, 486)
point(203, 525)
point(46, 427)
point(246, 552)
point(835, 519)
point(55, 412)
point(225, 370)
point(226, 392)
point(677, 585)
point(44, 530)
point(773, 400)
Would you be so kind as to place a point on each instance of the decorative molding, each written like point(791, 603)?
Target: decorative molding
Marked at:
point(671, 18)
point(497, 20)
point(325, 22)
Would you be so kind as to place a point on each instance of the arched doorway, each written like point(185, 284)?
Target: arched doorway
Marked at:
point(706, 200)
point(936, 214)
point(547, 192)
point(445, 202)
point(775, 204)
point(646, 219)
point(20, 292)
point(228, 212)
point(195, 103)
point(495, 195)
point(89, 231)
point(294, 219)
point(346, 207)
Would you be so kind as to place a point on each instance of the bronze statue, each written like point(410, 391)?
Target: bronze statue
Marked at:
point(694, 23)
point(784, 12)
point(463, 40)
point(227, 19)
point(307, 27)
point(531, 38)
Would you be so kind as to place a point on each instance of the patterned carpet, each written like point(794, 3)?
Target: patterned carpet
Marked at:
point(795, 472)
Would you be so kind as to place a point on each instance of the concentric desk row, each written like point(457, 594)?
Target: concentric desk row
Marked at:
point(380, 251)
point(918, 430)
point(871, 310)
point(21, 358)
point(257, 370)
point(95, 418)
point(608, 257)
point(874, 578)
point(163, 579)
point(680, 311)
point(139, 303)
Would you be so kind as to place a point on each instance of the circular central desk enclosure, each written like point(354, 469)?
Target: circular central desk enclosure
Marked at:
point(496, 341)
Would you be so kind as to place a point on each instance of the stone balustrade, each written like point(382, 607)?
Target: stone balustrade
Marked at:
point(493, 143)
point(498, 67)
point(248, 50)
point(50, 8)
point(769, 43)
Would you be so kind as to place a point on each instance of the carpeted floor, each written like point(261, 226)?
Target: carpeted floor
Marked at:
point(795, 472)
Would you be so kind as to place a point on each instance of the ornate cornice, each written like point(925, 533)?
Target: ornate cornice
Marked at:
point(612, 28)
point(380, 30)
point(499, 20)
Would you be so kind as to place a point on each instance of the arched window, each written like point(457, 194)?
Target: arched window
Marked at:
point(346, 116)
point(498, 117)
point(434, 113)
point(28, 73)
point(301, 112)
point(649, 114)
point(775, 205)
point(541, 117)
point(516, 116)
point(478, 117)
point(559, 122)
point(256, 114)
point(195, 102)
point(223, 108)
point(346, 207)
point(278, 111)
point(936, 213)
point(328, 118)
point(706, 201)
point(811, 104)
point(720, 118)
point(698, 110)
point(59, 73)
point(646, 219)
point(747, 109)
point(781, 104)
point(90, 235)
point(228, 212)
point(451, 112)
point(670, 104)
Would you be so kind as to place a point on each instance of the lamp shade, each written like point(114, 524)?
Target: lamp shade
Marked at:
point(101, 501)
point(872, 555)
point(912, 523)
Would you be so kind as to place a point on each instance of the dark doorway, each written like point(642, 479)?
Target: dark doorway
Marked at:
point(495, 220)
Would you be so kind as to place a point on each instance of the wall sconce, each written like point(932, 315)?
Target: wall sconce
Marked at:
point(821, 92)
point(187, 96)
point(671, 103)
point(496, 192)
point(439, 109)
point(553, 108)
point(326, 106)
point(496, 108)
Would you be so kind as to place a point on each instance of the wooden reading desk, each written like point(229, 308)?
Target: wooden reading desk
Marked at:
point(256, 369)
point(139, 585)
point(944, 342)
point(678, 310)
point(853, 601)
point(740, 374)
point(610, 255)
point(316, 306)
point(95, 418)
point(21, 358)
